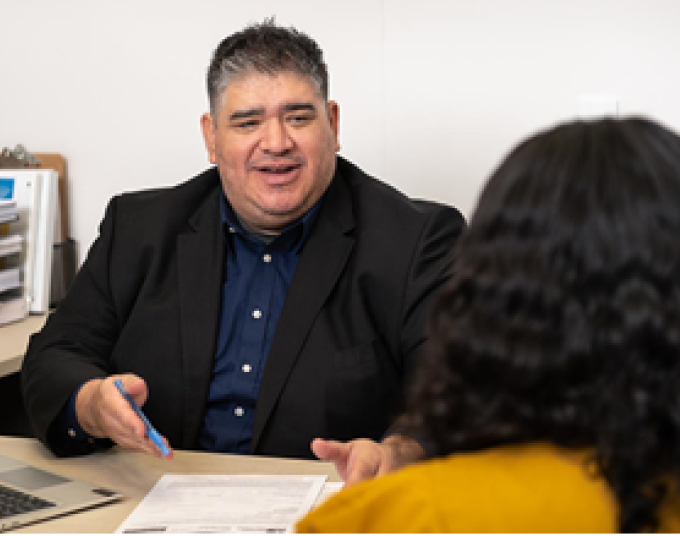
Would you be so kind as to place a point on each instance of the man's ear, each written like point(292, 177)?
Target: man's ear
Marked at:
point(208, 127)
point(334, 118)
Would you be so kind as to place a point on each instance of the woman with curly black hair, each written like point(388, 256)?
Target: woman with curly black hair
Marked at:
point(551, 394)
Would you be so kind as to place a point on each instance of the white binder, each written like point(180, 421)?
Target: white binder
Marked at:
point(35, 193)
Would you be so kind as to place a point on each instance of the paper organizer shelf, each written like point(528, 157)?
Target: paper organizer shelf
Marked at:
point(35, 194)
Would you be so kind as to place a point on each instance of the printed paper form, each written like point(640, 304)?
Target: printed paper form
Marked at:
point(329, 488)
point(224, 503)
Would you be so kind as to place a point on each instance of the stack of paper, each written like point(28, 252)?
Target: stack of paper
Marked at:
point(8, 210)
point(10, 278)
point(13, 307)
point(13, 304)
point(10, 244)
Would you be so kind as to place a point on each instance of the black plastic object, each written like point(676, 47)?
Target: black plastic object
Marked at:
point(63, 270)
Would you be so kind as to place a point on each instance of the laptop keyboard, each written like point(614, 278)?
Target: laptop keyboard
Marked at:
point(14, 502)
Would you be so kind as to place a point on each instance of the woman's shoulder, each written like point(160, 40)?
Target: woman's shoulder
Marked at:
point(398, 502)
point(529, 488)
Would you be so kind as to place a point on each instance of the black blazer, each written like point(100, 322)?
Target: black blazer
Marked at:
point(147, 300)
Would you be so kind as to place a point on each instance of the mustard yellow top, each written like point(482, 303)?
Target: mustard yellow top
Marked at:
point(526, 488)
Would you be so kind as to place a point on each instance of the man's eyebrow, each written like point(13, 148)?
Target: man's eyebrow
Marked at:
point(243, 114)
point(299, 107)
point(292, 107)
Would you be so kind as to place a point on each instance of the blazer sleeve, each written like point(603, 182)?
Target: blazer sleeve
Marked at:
point(76, 342)
point(431, 265)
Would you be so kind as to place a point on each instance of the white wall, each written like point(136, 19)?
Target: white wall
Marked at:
point(432, 92)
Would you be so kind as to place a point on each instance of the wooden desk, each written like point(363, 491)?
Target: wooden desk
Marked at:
point(134, 474)
point(14, 340)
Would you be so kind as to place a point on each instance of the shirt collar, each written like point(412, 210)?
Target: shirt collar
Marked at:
point(291, 238)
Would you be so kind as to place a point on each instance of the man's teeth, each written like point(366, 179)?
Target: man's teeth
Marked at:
point(277, 170)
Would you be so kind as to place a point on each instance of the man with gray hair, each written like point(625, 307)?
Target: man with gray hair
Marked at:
point(276, 298)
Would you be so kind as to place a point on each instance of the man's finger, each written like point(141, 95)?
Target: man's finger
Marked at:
point(118, 418)
point(138, 444)
point(330, 451)
point(168, 456)
point(135, 387)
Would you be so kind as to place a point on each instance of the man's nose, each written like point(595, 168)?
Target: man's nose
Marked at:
point(276, 139)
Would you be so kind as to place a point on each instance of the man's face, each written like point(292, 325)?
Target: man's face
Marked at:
point(274, 142)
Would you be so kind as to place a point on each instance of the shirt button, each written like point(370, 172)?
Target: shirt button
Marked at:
point(246, 368)
point(232, 230)
point(238, 411)
point(71, 432)
point(267, 257)
point(257, 313)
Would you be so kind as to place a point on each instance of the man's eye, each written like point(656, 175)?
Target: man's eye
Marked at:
point(246, 125)
point(299, 119)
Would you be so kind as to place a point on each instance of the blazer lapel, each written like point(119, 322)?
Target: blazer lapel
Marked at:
point(321, 264)
point(200, 258)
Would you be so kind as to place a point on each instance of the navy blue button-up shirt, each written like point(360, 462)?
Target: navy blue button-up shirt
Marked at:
point(257, 274)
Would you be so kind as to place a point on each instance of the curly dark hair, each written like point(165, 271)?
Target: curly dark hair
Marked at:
point(562, 320)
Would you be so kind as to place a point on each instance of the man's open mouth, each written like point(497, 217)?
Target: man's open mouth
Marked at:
point(278, 169)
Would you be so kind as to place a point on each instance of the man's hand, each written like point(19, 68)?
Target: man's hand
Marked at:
point(103, 412)
point(363, 459)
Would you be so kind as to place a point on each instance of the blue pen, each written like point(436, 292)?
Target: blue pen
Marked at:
point(151, 432)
